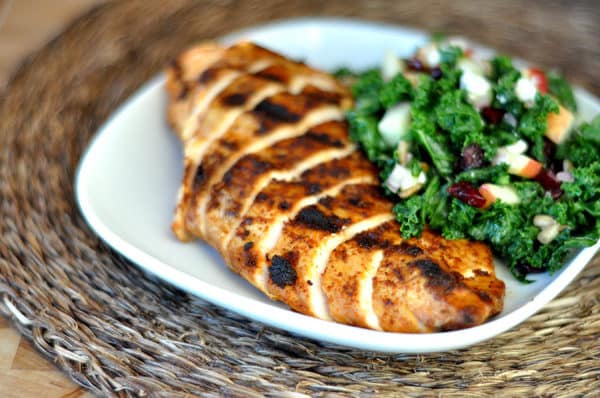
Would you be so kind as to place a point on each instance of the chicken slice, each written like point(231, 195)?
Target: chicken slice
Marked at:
point(243, 94)
point(415, 282)
point(287, 159)
point(279, 117)
point(280, 201)
point(302, 252)
point(199, 74)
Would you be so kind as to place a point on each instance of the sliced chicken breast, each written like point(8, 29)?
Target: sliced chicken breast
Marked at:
point(273, 182)
point(277, 203)
point(285, 160)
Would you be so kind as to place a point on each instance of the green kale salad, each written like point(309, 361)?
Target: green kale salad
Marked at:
point(481, 149)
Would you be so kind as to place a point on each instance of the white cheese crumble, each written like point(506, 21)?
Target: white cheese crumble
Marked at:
point(525, 89)
point(478, 88)
point(401, 179)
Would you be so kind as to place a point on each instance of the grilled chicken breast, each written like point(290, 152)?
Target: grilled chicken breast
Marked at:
point(272, 181)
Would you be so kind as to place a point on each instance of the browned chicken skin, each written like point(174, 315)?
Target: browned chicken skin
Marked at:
point(272, 181)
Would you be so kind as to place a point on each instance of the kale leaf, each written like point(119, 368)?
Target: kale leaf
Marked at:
point(396, 90)
point(534, 122)
point(363, 129)
point(583, 147)
point(459, 118)
point(409, 214)
point(424, 132)
point(561, 89)
point(366, 92)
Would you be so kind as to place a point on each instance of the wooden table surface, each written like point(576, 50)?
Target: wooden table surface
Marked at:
point(24, 26)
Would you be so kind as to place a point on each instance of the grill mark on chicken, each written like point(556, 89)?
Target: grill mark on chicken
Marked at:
point(201, 100)
point(230, 198)
point(208, 75)
point(315, 242)
point(236, 99)
point(281, 270)
point(199, 178)
point(273, 114)
point(313, 218)
point(278, 73)
point(175, 67)
point(300, 78)
point(411, 250)
point(436, 277)
point(181, 90)
point(331, 97)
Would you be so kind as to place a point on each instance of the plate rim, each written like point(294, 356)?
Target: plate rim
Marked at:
point(282, 318)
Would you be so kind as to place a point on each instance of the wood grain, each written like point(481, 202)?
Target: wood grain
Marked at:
point(26, 25)
point(25, 373)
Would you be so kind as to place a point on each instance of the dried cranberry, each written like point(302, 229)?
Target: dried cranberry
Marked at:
point(549, 150)
point(492, 115)
point(548, 180)
point(415, 64)
point(436, 73)
point(472, 157)
point(525, 269)
point(467, 193)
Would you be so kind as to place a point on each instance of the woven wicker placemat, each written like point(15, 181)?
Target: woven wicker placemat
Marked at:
point(117, 331)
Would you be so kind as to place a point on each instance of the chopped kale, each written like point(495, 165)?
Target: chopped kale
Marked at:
point(583, 147)
point(435, 144)
point(363, 129)
point(450, 55)
point(505, 77)
point(459, 118)
point(534, 123)
point(496, 174)
point(396, 90)
point(561, 89)
point(409, 214)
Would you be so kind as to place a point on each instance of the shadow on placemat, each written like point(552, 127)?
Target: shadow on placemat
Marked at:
point(117, 331)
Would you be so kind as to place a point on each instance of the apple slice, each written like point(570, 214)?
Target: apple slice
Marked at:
point(539, 78)
point(395, 123)
point(493, 192)
point(559, 125)
point(518, 164)
point(392, 65)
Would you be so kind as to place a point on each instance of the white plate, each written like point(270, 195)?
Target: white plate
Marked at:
point(128, 178)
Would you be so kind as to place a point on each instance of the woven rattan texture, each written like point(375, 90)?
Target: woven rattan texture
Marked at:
point(117, 331)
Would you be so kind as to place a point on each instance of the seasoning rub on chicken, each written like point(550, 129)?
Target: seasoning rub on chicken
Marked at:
point(272, 181)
